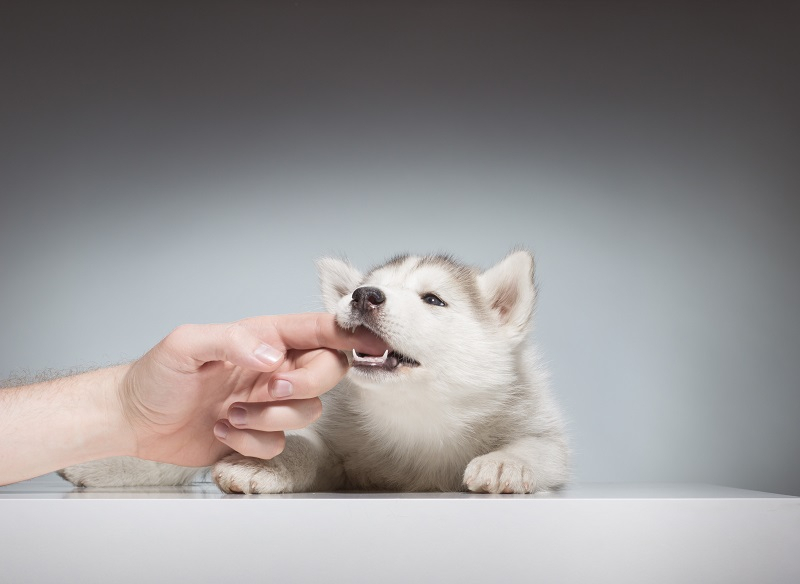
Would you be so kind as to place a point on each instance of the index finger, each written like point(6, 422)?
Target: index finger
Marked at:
point(313, 330)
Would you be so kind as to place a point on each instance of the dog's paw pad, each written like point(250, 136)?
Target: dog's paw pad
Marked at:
point(499, 472)
point(239, 474)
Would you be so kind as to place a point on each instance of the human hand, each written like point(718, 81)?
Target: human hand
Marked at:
point(208, 389)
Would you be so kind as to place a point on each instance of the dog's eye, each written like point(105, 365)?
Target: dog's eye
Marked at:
point(433, 299)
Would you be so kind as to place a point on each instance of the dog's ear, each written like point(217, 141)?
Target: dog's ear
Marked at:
point(336, 278)
point(510, 292)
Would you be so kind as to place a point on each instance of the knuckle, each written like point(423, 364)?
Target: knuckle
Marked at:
point(234, 330)
point(257, 444)
point(179, 335)
point(311, 381)
point(180, 331)
point(246, 322)
point(236, 440)
point(246, 450)
point(318, 332)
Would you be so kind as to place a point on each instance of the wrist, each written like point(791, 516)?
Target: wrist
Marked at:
point(111, 433)
point(92, 422)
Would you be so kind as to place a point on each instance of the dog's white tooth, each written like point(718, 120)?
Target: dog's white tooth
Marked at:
point(354, 355)
point(385, 353)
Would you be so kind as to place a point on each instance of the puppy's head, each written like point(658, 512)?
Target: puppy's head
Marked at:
point(444, 321)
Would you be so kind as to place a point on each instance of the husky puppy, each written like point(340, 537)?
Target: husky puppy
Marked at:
point(459, 402)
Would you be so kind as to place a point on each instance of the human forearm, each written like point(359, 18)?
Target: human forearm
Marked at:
point(54, 424)
point(172, 405)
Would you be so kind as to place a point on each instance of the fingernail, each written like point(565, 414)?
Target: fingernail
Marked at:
point(221, 430)
point(267, 354)
point(281, 388)
point(237, 416)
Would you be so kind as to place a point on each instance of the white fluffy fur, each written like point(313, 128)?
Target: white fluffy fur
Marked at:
point(476, 414)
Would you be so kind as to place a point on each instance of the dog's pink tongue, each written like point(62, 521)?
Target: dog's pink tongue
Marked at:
point(368, 343)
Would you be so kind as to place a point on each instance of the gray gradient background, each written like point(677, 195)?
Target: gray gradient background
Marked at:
point(181, 162)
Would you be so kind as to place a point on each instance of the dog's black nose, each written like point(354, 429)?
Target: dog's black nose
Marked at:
point(368, 297)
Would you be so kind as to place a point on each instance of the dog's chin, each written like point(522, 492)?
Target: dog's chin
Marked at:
point(374, 377)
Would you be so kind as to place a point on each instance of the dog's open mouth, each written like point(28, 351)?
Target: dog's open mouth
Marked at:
point(389, 361)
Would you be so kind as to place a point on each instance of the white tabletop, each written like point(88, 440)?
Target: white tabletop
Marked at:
point(52, 532)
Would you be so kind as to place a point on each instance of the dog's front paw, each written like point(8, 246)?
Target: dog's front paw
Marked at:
point(240, 474)
point(499, 472)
